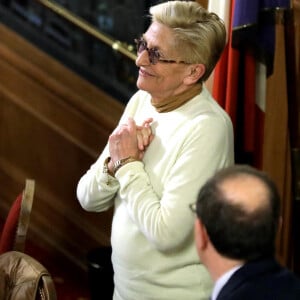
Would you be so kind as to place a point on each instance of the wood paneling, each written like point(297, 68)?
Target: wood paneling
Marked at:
point(53, 125)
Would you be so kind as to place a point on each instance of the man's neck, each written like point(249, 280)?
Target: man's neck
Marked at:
point(222, 280)
point(220, 265)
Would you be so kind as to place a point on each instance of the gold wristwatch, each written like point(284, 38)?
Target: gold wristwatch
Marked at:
point(121, 162)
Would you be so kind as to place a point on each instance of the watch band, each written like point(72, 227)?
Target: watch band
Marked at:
point(121, 162)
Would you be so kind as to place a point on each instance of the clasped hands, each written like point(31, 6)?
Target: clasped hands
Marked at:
point(129, 140)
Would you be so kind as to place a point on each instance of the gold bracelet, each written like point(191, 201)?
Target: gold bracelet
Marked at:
point(121, 162)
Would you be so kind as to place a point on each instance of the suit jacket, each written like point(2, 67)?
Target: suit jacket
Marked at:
point(261, 280)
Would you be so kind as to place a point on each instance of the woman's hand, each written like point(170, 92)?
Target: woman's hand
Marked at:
point(130, 140)
point(144, 134)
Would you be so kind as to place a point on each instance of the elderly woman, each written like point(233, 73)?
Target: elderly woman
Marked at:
point(171, 138)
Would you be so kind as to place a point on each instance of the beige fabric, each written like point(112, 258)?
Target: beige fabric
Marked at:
point(176, 101)
point(23, 278)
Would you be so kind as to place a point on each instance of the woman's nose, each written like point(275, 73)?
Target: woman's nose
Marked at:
point(142, 58)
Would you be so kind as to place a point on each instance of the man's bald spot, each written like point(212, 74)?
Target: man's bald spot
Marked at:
point(246, 191)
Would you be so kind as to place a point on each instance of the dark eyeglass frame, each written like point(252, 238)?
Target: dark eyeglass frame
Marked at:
point(193, 207)
point(153, 53)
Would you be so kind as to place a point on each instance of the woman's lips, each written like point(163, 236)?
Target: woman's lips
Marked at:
point(144, 73)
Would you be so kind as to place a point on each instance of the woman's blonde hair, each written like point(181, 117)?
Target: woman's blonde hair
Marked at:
point(200, 36)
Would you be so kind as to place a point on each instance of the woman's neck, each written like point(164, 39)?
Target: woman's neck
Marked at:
point(173, 102)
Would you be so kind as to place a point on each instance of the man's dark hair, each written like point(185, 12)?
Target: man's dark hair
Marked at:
point(235, 232)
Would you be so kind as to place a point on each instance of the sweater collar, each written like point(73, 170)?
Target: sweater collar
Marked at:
point(173, 102)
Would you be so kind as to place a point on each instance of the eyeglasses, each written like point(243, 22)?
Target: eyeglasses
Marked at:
point(193, 207)
point(154, 55)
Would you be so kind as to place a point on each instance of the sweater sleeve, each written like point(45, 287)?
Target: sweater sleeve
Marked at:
point(165, 219)
point(96, 190)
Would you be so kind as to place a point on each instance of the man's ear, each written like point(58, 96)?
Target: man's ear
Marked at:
point(201, 236)
point(196, 71)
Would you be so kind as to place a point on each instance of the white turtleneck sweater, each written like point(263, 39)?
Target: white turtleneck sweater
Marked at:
point(154, 255)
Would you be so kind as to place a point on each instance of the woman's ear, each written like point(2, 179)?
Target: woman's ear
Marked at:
point(196, 71)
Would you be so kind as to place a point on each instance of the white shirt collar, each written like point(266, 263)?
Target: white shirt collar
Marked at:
point(222, 281)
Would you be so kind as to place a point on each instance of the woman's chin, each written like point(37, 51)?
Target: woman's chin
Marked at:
point(141, 85)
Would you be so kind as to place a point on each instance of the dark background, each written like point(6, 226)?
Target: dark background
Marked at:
point(97, 62)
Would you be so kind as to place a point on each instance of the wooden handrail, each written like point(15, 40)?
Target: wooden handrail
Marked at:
point(116, 45)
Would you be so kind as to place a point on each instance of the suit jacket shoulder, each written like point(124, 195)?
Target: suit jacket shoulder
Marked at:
point(261, 280)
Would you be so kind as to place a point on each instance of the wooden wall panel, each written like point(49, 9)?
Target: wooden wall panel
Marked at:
point(53, 125)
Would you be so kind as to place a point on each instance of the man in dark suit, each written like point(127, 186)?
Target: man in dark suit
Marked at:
point(238, 216)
